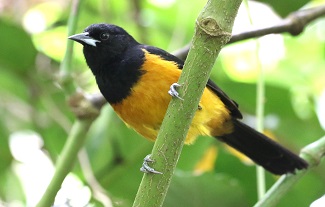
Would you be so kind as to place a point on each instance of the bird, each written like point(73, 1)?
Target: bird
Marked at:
point(139, 81)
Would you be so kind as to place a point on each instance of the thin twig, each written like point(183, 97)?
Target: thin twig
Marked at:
point(294, 24)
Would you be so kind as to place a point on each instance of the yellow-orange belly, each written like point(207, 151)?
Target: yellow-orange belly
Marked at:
point(145, 107)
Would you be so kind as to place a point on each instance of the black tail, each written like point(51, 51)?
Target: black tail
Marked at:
point(262, 150)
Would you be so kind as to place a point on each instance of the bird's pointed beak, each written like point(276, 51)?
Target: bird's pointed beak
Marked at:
point(83, 38)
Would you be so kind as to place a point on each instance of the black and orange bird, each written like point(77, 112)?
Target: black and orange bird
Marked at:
point(138, 81)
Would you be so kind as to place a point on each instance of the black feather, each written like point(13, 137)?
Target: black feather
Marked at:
point(262, 150)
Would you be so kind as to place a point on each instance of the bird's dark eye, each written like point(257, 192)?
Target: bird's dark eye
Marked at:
point(104, 36)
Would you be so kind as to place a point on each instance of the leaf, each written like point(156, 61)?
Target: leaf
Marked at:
point(52, 42)
point(5, 154)
point(205, 190)
point(283, 8)
point(12, 85)
point(11, 188)
point(17, 50)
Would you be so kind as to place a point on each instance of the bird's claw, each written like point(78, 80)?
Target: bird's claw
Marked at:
point(146, 168)
point(173, 92)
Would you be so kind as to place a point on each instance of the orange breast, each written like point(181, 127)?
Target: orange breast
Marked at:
point(145, 108)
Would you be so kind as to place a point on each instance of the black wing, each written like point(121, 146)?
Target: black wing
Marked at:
point(164, 55)
point(229, 103)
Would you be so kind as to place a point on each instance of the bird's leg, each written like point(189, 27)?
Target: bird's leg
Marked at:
point(146, 168)
point(173, 92)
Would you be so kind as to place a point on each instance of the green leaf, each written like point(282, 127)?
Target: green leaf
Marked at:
point(11, 188)
point(5, 154)
point(17, 50)
point(204, 190)
point(52, 42)
point(13, 85)
point(283, 8)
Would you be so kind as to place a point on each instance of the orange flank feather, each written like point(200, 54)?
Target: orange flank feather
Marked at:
point(144, 110)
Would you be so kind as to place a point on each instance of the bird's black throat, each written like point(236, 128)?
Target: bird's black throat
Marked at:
point(115, 75)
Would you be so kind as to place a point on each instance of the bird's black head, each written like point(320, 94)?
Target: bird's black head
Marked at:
point(103, 44)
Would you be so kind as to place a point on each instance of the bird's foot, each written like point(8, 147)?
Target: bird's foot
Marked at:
point(146, 168)
point(173, 92)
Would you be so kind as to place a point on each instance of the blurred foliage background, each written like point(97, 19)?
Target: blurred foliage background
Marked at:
point(35, 116)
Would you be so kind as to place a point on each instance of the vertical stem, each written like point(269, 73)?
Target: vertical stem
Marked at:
point(260, 90)
point(213, 30)
point(65, 67)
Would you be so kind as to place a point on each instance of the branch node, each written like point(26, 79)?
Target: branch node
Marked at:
point(83, 107)
point(297, 24)
point(211, 27)
point(313, 156)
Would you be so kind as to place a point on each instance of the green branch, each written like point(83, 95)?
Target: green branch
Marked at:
point(213, 31)
point(65, 66)
point(67, 158)
point(312, 153)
